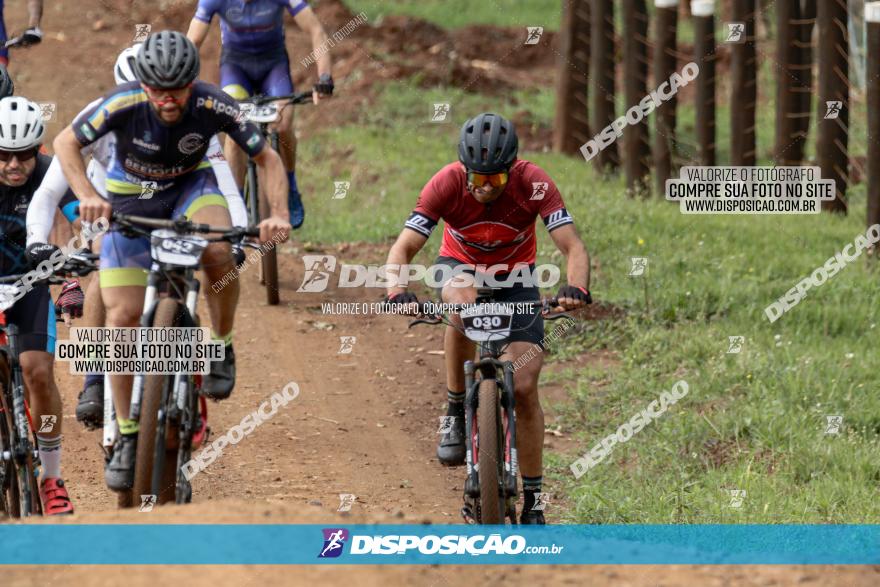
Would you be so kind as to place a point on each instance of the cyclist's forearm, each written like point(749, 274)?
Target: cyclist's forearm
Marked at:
point(67, 149)
point(198, 31)
point(402, 253)
point(276, 181)
point(320, 39)
point(41, 211)
point(578, 267)
point(35, 12)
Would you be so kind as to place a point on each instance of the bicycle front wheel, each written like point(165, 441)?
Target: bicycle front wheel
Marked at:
point(10, 502)
point(156, 387)
point(490, 460)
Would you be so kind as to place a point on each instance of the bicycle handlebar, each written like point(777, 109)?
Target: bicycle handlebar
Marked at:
point(297, 98)
point(183, 226)
point(427, 315)
point(78, 264)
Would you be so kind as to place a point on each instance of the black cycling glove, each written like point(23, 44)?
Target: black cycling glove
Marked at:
point(403, 298)
point(36, 253)
point(325, 85)
point(574, 293)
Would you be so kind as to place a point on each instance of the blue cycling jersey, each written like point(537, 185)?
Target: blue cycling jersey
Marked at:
point(250, 26)
point(149, 149)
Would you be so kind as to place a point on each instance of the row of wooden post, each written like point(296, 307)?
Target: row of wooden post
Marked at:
point(586, 86)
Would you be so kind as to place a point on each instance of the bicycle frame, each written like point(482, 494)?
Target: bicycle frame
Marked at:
point(179, 393)
point(23, 447)
point(485, 368)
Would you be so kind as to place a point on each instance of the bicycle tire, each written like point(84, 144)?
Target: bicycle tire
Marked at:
point(10, 503)
point(488, 450)
point(166, 315)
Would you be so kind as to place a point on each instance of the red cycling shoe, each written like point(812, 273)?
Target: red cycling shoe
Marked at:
point(54, 496)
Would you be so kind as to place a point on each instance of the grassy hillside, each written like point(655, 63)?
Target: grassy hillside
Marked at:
point(753, 421)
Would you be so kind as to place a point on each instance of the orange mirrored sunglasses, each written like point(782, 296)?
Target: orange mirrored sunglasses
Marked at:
point(480, 179)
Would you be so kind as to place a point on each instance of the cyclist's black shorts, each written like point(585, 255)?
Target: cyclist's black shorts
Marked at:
point(34, 315)
point(526, 327)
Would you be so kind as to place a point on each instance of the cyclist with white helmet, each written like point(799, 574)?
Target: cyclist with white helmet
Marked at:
point(22, 168)
point(90, 407)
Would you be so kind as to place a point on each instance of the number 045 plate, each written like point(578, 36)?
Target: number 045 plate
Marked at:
point(487, 322)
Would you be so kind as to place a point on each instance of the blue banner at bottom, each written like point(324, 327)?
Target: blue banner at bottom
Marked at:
point(269, 544)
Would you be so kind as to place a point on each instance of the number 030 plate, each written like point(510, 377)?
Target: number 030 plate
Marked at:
point(487, 322)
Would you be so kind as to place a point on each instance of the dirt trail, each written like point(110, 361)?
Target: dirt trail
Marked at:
point(364, 423)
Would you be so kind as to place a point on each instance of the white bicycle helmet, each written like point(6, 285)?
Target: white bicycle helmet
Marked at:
point(21, 124)
point(123, 71)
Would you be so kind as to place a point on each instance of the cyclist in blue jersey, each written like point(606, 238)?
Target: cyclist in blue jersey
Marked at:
point(254, 59)
point(31, 36)
point(163, 125)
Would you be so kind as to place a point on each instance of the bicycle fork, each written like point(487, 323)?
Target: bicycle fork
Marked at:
point(488, 366)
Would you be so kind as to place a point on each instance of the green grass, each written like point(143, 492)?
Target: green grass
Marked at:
point(753, 421)
point(459, 13)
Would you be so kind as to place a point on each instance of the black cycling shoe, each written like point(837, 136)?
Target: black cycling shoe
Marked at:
point(218, 384)
point(119, 472)
point(90, 406)
point(532, 517)
point(451, 449)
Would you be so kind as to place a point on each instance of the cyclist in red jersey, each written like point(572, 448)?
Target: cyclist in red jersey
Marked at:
point(489, 201)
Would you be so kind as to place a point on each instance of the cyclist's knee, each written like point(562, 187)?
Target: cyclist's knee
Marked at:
point(525, 381)
point(217, 257)
point(459, 290)
point(36, 368)
point(526, 397)
point(123, 314)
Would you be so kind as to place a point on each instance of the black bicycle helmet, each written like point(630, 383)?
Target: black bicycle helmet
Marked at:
point(7, 88)
point(167, 60)
point(488, 144)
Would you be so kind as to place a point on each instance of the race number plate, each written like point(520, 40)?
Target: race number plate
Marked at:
point(264, 114)
point(487, 322)
point(169, 247)
point(8, 296)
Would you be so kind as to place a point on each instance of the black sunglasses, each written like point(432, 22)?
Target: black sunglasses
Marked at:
point(25, 155)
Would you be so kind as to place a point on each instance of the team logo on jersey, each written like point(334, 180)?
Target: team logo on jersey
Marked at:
point(190, 143)
point(218, 106)
point(87, 131)
point(145, 144)
point(489, 236)
point(234, 14)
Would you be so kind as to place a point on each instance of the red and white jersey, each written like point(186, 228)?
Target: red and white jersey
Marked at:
point(502, 232)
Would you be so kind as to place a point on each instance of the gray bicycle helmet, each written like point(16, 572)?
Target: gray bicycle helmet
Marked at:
point(488, 144)
point(7, 88)
point(167, 60)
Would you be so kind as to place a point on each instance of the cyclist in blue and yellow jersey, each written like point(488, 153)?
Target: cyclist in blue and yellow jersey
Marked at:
point(163, 126)
point(254, 60)
point(41, 215)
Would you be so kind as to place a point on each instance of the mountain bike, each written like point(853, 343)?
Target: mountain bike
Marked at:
point(19, 457)
point(171, 413)
point(491, 487)
point(263, 112)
